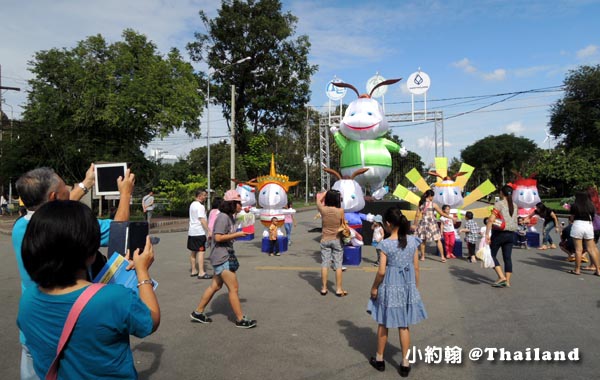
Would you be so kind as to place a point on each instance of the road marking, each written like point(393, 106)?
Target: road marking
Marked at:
point(318, 269)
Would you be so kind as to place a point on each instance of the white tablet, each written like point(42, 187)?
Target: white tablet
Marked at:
point(106, 178)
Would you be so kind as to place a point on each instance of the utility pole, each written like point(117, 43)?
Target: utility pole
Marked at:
point(2, 120)
point(4, 88)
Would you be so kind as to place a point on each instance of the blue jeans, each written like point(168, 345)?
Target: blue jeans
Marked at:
point(547, 239)
point(288, 231)
point(504, 240)
point(27, 371)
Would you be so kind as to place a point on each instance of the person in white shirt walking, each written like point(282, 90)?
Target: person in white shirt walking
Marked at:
point(197, 236)
point(148, 206)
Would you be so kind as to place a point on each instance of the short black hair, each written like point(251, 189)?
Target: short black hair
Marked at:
point(469, 215)
point(333, 198)
point(58, 242)
point(229, 207)
point(216, 203)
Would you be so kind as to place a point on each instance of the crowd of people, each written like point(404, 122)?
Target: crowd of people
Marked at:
point(57, 243)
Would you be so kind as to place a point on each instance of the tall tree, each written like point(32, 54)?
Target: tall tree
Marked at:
point(101, 102)
point(499, 155)
point(566, 171)
point(575, 118)
point(273, 87)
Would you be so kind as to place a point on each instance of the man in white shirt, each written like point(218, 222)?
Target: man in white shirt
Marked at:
point(148, 205)
point(3, 205)
point(197, 234)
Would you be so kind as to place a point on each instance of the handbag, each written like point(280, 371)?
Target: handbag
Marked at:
point(596, 222)
point(76, 309)
point(499, 223)
point(344, 228)
point(234, 264)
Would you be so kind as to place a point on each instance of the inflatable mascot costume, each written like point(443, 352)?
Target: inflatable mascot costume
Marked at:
point(360, 140)
point(272, 196)
point(526, 196)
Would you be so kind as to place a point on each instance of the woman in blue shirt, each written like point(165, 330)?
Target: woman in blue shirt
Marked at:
point(60, 243)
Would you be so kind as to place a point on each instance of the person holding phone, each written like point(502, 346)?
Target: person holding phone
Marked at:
point(60, 243)
point(40, 186)
point(224, 233)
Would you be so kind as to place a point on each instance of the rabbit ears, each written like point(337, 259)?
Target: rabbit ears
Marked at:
point(339, 176)
point(384, 83)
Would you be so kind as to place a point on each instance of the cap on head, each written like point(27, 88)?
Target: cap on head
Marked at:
point(378, 219)
point(232, 195)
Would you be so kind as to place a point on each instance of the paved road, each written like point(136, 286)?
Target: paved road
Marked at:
point(302, 335)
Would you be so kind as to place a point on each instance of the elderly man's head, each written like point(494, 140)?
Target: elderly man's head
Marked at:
point(39, 186)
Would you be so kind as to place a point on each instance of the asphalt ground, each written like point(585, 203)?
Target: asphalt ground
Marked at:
point(303, 335)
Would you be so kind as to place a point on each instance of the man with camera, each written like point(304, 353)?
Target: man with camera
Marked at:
point(42, 185)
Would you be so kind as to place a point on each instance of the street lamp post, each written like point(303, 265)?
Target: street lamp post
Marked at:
point(208, 127)
point(208, 140)
point(232, 158)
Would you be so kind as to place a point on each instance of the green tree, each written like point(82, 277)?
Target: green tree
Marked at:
point(499, 155)
point(220, 174)
point(273, 87)
point(575, 118)
point(402, 165)
point(567, 171)
point(180, 193)
point(104, 102)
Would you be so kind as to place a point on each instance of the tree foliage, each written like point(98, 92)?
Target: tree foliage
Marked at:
point(575, 118)
point(568, 171)
point(499, 155)
point(273, 87)
point(180, 193)
point(103, 102)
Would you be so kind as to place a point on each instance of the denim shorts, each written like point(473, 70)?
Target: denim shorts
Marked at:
point(221, 267)
point(332, 250)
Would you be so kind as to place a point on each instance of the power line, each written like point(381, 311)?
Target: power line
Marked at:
point(477, 97)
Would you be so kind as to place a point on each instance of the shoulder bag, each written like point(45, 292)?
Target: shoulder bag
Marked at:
point(76, 309)
point(345, 230)
point(499, 223)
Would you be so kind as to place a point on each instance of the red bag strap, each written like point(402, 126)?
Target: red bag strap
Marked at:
point(76, 309)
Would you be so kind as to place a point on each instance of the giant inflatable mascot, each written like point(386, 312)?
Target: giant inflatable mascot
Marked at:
point(360, 140)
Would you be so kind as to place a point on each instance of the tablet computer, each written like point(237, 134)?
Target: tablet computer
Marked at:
point(106, 177)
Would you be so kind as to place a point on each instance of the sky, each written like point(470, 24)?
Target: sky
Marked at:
point(495, 66)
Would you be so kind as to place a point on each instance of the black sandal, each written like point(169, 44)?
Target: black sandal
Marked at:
point(378, 365)
point(404, 371)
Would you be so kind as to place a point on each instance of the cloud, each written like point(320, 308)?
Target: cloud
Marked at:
point(428, 142)
point(466, 66)
point(498, 74)
point(515, 127)
point(404, 88)
point(531, 71)
point(587, 52)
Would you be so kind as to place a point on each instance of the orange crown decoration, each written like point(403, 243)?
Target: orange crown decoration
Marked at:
point(273, 177)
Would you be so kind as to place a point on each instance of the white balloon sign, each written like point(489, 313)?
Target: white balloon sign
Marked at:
point(333, 92)
point(374, 81)
point(418, 83)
